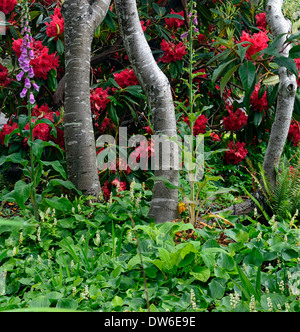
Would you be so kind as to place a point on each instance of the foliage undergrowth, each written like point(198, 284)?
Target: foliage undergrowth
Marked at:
point(85, 257)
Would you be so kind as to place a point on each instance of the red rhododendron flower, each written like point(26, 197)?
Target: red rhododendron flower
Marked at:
point(122, 185)
point(7, 6)
point(44, 112)
point(148, 130)
point(99, 101)
point(215, 137)
point(4, 79)
point(144, 151)
point(236, 153)
point(259, 42)
point(42, 62)
point(172, 51)
point(294, 133)
point(235, 120)
point(106, 126)
point(298, 67)
point(56, 27)
point(175, 23)
point(201, 38)
point(259, 104)
point(41, 131)
point(126, 78)
point(6, 130)
point(199, 125)
point(106, 190)
point(261, 21)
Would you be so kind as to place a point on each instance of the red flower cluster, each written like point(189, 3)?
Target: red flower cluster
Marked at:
point(172, 51)
point(6, 130)
point(175, 23)
point(126, 78)
point(235, 120)
point(298, 67)
point(261, 21)
point(106, 126)
point(56, 27)
point(144, 150)
point(99, 101)
point(4, 79)
point(259, 104)
point(258, 42)
point(42, 62)
point(42, 130)
point(199, 125)
point(7, 6)
point(107, 187)
point(236, 153)
point(294, 133)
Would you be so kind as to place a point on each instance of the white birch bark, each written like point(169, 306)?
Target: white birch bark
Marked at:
point(164, 205)
point(286, 94)
point(81, 19)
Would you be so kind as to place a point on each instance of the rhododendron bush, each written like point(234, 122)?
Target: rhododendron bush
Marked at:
point(234, 67)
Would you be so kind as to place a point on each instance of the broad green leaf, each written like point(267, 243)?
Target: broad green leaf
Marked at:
point(61, 204)
point(57, 166)
point(226, 262)
point(247, 73)
point(216, 289)
point(60, 47)
point(117, 301)
point(227, 77)
point(22, 193)
point(37, 148)
point(287, 63)
point(250, 290)
point(65, 303)
point(295, 52)
point(201, 273)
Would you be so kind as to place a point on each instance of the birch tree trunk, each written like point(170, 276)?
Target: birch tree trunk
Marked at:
point(164, 205)
point(286, 94)
point(81, 18)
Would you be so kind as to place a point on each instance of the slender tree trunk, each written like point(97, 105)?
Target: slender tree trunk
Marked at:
point(81, 19)
point(286, 95)
point(164, 205)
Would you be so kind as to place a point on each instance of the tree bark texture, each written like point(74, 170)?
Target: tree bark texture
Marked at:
point(164, 205)
point(286, 94)
point(81, 17)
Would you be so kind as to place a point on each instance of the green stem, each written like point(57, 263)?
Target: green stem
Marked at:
point(32, 162)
